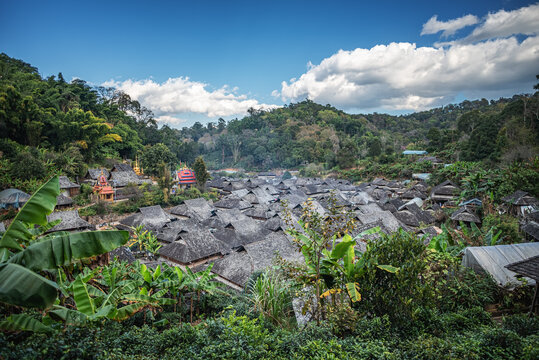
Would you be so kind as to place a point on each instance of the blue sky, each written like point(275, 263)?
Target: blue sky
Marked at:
point(225, 56)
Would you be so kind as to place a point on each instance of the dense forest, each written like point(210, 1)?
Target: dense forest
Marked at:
point(57, 126)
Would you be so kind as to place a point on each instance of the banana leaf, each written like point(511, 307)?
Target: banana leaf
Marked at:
point(63, 250)
point(353, 291)
point(23, 287)
point(24, 322)
point(35, 211)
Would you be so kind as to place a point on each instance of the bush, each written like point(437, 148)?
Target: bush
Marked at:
point(522, 324)
point(398, 294)
point(33, 168)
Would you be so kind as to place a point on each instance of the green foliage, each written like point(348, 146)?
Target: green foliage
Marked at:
point(152, 156)
point(270, 295)
point(397, 294)
point(201, 174)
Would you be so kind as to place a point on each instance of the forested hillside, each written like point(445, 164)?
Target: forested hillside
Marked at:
point(51, 124)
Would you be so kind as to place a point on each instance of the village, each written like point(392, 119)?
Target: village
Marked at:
point(245, 230)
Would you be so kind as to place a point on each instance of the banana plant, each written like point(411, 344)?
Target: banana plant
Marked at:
point(342, 265)
point(25, 254)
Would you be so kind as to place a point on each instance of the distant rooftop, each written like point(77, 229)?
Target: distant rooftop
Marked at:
point(414, 152)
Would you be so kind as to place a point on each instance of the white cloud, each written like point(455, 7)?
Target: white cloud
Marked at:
point(450, 27)
point(181, 95)
point(401, 76)
point(506, 23)
point(170, 120)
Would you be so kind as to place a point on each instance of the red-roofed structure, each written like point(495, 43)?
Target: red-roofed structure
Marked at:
point(186, 177)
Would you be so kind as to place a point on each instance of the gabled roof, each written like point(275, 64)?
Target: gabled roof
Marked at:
point(407, 218)
point(122, 167)
point(361, 198)
point(532, 229)
point(493, 259)
point(263, 252)
point(200, 208)
point(123, 178)
point(232, 202)
point(70, 221)
point(95, 173)
point(192, 246)
point(151, 217)
point(465, 214)
point(65, 183)
point(62, 200)
point(528, 267)
point(260, 212)
point(13, 197)
point(520, 198)
point(228, 216)
point(235, 267)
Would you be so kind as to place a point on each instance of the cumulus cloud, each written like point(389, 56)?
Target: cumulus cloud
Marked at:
point(170, 120)
point(182, 95)
point(402, 76)
point(506, 23)
point(450, 27)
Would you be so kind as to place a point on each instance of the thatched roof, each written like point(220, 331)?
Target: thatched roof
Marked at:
point(528, 267)
point(520, 198)
point(151, 217)
point(235, 267)
point(123, 178)
point(465, 214)
point(65, 183)
point(445, 191)
point(232, 202)
point(532, 229)
point(70, 221)
point(122, 167)
point(200, 208)
point(94, 174)
point(62, 200)
point(13, 198)
point(192, 246)
point(407, 218)
point(263, 252)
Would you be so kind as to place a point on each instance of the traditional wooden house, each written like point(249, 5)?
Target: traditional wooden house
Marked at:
point(13, 198)
point(493, 260)
point(465, 214)
point(63, 202)
point(70, 221)
point(531, 229)
point(92, 175)
point(67, 187)
point(444, 192)
point(520, 202)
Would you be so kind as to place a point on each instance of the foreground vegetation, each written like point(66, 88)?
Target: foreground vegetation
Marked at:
point(397, 300)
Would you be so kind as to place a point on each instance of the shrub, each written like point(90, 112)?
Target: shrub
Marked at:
point(33, 168)
point(522, 324)
point(396, 294)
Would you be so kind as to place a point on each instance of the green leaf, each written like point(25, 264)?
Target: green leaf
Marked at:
point(371, 231)
point(22, 287)
point(341, 249)
point(389, 268)
point(353, 291)
point(68, 316)
point(83, 301)
point(24, 322)
point(35, 211)
point(63, 250)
